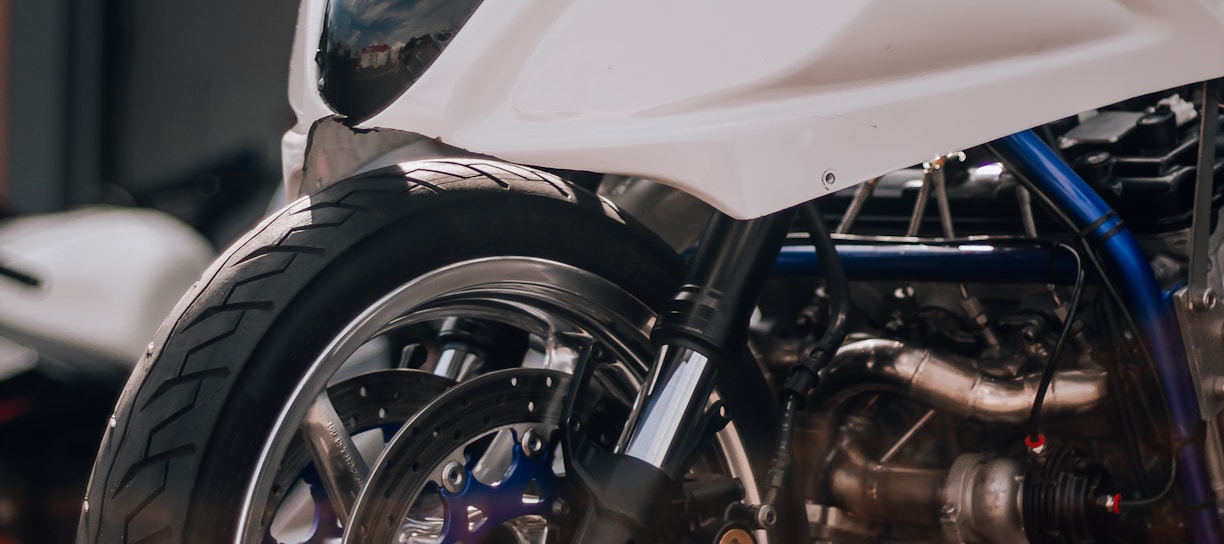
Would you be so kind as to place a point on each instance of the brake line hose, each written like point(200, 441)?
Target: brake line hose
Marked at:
point(806, 374)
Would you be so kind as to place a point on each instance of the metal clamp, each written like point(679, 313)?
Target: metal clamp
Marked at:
point(1202, 328)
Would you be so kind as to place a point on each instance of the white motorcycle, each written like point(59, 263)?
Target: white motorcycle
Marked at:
point(661, 338)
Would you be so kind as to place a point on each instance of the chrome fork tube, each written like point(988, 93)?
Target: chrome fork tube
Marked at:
point(677, 397)
point(702, 328)
point(704, 325)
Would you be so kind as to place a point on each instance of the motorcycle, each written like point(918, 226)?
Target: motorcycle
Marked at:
point(725, 312)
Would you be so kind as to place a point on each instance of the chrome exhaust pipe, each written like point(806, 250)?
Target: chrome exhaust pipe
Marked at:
point(950, 384)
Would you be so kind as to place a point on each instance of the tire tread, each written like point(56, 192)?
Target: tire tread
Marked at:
point(276, 261)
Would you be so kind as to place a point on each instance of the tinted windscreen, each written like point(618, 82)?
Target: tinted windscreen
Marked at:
point(373, 50)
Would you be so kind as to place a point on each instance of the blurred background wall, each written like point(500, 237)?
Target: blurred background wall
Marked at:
point(173, 105)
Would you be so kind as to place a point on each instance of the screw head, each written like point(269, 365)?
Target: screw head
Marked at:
point(766, 516)
point(533, 443)
point(560, 508)
point(829, 177)
point(454, 476)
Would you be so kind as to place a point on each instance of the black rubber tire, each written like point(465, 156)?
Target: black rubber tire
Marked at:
point(192, 418)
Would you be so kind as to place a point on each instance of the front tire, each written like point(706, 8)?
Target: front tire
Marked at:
point(210, 409)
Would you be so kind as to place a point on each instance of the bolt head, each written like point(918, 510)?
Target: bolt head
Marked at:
point(829, 177)
point(532, 443)
point(766, 516)
point(454, 477)
point(560, 508)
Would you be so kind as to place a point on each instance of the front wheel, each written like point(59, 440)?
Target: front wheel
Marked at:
point(264, 407)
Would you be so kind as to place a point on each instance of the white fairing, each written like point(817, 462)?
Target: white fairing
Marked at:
point(751, 105)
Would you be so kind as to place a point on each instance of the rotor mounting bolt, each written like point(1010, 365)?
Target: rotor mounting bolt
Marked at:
point(454, 476)
point(533, 444)
point(829, 177)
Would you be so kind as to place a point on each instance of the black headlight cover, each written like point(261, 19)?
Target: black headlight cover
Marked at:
point(371, 51)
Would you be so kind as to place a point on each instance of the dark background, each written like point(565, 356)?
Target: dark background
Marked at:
point(177, 105)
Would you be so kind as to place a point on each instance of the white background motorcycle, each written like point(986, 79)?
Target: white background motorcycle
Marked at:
point(80, 294)
point(471, 350)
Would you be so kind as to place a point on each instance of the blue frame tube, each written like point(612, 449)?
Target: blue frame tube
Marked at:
point(969, 262)
point(1128, 266)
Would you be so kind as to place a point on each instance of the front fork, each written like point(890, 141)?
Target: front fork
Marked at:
point(702, 328)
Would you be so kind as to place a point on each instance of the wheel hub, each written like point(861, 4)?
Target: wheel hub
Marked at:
point(458, 470)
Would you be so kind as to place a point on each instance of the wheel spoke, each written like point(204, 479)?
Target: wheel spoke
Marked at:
point(495, 462)
point(336, 458)
point(564, 347)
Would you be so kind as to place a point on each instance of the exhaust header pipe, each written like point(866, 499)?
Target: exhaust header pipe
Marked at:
point(950, 384)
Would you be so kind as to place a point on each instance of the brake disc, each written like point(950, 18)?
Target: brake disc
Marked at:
point(480, 461)
point(376, 402)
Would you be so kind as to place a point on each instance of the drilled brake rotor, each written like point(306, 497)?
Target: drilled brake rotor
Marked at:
point(382, 399)
point(458, 471)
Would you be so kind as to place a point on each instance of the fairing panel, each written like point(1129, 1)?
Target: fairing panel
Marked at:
point(757, 107)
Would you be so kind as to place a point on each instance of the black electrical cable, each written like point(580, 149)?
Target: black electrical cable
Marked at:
point(1131, 503)
point(1103, 278)
point(805, 374)
point(1093, 259)
point(1048, 374)
point(836, 284)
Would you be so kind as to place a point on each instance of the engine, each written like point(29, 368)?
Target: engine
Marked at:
point(923, 427)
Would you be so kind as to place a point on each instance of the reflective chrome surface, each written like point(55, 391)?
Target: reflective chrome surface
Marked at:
point(336, 458)
point(458, 363)
point(982, 501)
point(371, 51)
point(673, 395)
point(1202, 328)
point(955, 387)
point(559, 304)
